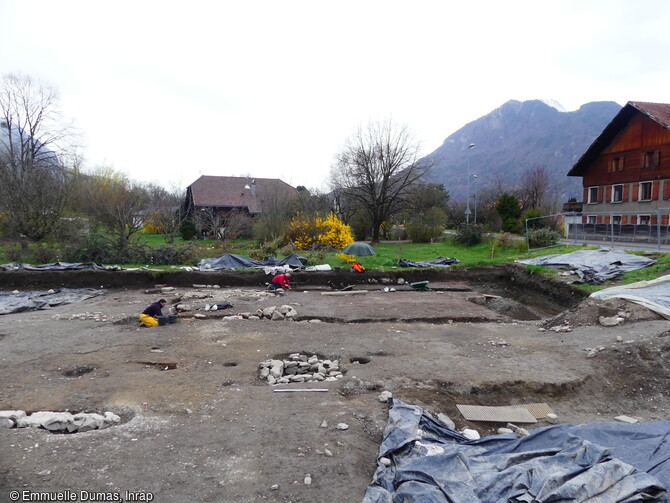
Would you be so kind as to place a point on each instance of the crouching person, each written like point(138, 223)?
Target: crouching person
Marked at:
point(149, 317)
point(280, 283)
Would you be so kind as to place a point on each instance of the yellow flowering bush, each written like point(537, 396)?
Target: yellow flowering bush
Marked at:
point(349, 259)
point(307, 231)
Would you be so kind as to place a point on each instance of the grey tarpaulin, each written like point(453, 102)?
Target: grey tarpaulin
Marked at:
point(60, 266)
point(593, 266)
point(653, 294)
point(232, 261)
point(28, 301)
point(436, 262)
point(593, 462)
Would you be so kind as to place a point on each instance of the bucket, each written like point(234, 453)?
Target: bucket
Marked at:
point(162, 320)
point(172, 319)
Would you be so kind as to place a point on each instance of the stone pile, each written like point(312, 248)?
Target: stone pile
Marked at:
point(65, 422)
point(299, 368)
point(275, 313)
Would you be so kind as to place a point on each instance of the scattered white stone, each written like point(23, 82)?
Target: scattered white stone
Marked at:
point(342, 426)
point(471, 434)
point(6, 422)
point(626, 419)
point(503, 431)
point(324, 424)
point(384, 396)
point(308, 479)
point(401, 281)
point(541, 329)
point(200, 316)
point(619, 338)
point(274, 487)
point(167, 289)
point(591, 352)
point(611, 321)
point(446, 420)
point(328, 453)
point(385, 461)
point(314, 321)
point(14, 415)
point(552, 418)
point(561, 328)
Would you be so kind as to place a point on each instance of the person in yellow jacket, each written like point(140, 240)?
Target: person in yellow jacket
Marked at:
point(149, 317)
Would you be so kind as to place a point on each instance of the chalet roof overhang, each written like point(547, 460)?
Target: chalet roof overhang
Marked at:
point(658, 112)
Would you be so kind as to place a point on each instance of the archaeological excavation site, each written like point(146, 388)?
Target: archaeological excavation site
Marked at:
point(400, 385)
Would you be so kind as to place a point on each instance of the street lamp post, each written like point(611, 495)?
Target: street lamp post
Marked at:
point(476, 195)
point(467, 205)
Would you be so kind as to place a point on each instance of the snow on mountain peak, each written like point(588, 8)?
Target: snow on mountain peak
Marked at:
point(554, 104)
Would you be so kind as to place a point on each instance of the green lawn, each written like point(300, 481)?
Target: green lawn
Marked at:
point(387, 254)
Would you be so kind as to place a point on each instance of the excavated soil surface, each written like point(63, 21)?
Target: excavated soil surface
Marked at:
point(198, 424)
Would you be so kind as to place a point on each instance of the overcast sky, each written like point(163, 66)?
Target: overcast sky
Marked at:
point(171, 90)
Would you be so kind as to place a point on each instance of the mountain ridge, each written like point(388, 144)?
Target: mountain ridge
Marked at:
point(516, 137)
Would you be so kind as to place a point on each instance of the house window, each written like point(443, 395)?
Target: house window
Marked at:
point(591, 219)
point(651, 159)
point(645, 191)
point(617, 193)
point(593, 195)
point(616, 219)
point(644, 219)
point(616, 164)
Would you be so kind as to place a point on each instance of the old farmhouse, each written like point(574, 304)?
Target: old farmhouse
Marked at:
point(224, 194)
point(626, 172)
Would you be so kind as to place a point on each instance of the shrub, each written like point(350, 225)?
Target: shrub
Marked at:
point(541, 238)
point(534, 214)
point(187, 230)
point(308, 232)
point(469, 235)
point(512, 225)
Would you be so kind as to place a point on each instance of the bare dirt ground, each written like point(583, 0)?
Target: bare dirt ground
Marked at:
point(211, 430)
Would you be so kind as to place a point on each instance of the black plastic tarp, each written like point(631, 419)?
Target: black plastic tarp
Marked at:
point(592, 462)
point(593, 266)
point(60, 266)
point(436, 262)
point(28, 301)
point(232, 261)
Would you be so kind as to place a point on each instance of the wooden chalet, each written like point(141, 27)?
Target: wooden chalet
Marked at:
point(626, 171)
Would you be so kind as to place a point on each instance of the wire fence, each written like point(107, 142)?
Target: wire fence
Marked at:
point(608, 228)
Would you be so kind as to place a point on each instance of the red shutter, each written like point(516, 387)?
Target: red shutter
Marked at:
point(586, 194)
point(654, 190)
point(583, 219)
point(600, 194)
point(608, 194)
point(626, 191)
point(664, 219)
point(636, 191)
point(607, 219)
point(657, 158)
point(666, 189)
point(624, 219)
point(653, 220)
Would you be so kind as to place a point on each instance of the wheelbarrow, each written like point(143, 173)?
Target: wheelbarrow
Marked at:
point(419, 285)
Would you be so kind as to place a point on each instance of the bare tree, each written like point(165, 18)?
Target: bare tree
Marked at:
point(116, 202)
point(167, 213)
point(534, 186)
point(375, 168)
point(33, 156)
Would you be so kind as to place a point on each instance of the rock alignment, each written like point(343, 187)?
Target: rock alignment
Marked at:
point(64, 422)
point(299, 368)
